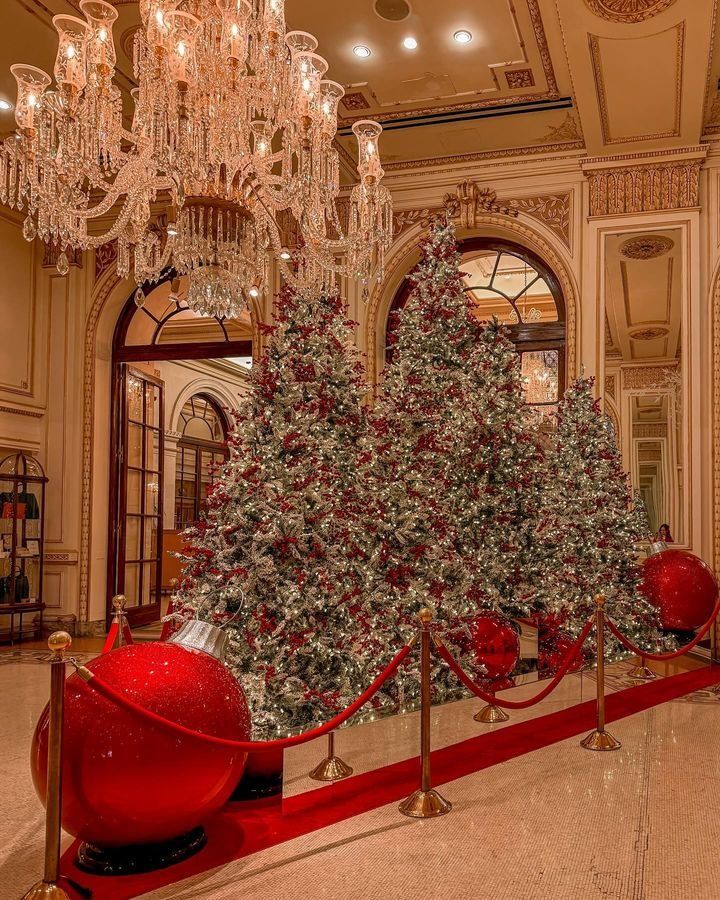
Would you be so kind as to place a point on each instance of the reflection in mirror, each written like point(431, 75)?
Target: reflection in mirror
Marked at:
point(643, 387)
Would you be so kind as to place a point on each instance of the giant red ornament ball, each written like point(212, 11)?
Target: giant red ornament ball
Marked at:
point(552, 651)
point(495, 643)
point(127, 781)
point(682, 587)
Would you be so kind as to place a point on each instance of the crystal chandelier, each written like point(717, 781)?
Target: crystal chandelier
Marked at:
point(230, 152)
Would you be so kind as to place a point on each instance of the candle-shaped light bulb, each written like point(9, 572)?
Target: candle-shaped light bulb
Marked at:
point(31, 84)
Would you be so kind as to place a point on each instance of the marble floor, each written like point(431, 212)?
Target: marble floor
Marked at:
point(559, 823)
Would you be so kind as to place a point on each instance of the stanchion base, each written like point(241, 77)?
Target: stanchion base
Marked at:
point(141, 857)
point(642, 673)
point(600, 740)
point(332, 768)
point(45, 891)
point(425, 805)
point(491, 714)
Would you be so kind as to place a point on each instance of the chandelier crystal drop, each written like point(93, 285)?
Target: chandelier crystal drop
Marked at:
point(229, 160)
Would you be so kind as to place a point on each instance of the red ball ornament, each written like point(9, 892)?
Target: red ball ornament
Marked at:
point(682, 587)
point(127, 781)
point(495, 643)
point(263, 775)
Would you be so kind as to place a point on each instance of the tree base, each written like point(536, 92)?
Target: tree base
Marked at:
point(138, 858)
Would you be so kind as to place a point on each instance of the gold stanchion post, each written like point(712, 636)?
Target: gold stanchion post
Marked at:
point(425, 803)
point(599, 739)
point(118, 604)
point(58, 642)
point(491, 714)
point(332, 768)
point(642, 672)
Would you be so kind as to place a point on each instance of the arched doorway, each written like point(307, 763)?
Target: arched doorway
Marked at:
point(513, 284)
point(174, 372)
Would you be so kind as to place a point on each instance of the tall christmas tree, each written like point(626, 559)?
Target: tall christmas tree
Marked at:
point(416, 445)
point(589, 528)
point(278, 555)
point(498, 491)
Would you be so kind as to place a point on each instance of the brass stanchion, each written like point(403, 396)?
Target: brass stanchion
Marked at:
point(491, 714)
point(58, 642)
point(332, 768)
point(642, 672)
point(119, 619)
point(425, 803)
point(599, 739)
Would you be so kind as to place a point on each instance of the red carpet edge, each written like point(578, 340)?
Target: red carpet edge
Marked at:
point(241, 829)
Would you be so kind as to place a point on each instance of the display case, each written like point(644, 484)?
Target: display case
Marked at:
point(22, 534)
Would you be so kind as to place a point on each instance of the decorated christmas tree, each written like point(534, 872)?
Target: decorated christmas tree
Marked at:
point(416, 446)
point(589, 529)
point(498, 491)
point(277, 556)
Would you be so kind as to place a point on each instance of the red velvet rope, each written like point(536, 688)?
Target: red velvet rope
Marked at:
point(121, 700)
point(516, 704)
point(660, 657)
point(112, 636)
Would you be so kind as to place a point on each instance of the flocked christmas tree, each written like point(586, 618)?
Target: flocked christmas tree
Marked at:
point(277, 556)
point(453, 472)
point(416, 442)
point(589, 528)
point(499, 489)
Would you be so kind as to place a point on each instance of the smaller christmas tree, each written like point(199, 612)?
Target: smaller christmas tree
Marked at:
point(588, 526)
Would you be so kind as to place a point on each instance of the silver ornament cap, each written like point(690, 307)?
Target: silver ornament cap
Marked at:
point(657, 547)
point(202, 636)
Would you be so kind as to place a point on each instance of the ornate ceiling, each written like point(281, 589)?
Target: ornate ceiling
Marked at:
point(594, 77)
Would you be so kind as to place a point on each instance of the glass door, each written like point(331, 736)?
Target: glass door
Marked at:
point(140, 495)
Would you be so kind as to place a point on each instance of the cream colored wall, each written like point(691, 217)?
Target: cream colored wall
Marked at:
point(56, 340)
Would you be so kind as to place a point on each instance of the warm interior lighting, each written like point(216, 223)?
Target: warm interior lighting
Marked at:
point(5, 104)
point(462, 36)
point(409, 43)
point(362, 51)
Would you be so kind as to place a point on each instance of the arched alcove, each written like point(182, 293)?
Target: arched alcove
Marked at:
point(164, 357)
point(489, 228)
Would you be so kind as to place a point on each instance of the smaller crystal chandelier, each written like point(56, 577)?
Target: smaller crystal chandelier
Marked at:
point(232, 139)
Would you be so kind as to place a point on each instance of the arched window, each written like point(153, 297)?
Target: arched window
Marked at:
point(512, 284)
point(201, 450)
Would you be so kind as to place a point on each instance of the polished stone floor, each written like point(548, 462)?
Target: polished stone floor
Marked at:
point(560, 823)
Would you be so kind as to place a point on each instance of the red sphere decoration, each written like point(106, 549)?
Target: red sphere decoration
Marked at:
point(682, 587)
point(495, 643)
point(127, 781)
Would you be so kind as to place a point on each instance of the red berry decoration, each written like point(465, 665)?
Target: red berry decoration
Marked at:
point(682, 587)
point(495, 643)
point(128, 781)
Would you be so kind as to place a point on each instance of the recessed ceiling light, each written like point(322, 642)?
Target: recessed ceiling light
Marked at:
point(409, 43)
point(5, 104)
point(462, 37)
point(362, 51)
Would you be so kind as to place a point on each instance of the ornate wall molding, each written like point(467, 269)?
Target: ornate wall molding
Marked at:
point(644, 187)
point(471, 202)
point(650, 430)
point(647, 246)
point(628, 11)
point(105, 256)
point(610, 385)
point(643, 377)
point(13, 410)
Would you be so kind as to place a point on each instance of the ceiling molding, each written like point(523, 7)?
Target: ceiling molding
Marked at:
point(628, 11)
point(603, 104)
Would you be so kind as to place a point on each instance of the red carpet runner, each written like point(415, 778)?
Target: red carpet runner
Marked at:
point(244, 828)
